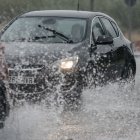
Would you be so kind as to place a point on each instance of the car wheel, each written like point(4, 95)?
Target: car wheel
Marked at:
point(72, 99)
point(129, 77)
point(4, 108)
point(4, 104)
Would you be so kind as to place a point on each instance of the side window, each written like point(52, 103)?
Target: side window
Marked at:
point(115, 28)
point(97, 29)
point(109, 28)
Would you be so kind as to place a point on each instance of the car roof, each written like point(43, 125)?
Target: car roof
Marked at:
point(64, 13)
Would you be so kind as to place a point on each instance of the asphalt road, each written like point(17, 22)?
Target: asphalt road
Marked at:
point(108, 113)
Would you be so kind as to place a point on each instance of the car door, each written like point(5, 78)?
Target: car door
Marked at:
point(101, 54)
point(118, 47)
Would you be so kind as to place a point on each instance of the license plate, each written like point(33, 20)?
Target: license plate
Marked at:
point(21, 80)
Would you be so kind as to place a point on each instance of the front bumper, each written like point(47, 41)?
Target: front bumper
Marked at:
point(46, 81)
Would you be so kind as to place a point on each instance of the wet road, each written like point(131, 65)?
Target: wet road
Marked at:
point(107, 113)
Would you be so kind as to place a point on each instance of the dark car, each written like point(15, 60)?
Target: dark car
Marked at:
point(4, 105)
point(65, 51)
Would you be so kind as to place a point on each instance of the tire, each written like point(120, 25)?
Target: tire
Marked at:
point(129, 74)
point(129, 77)
point(4, 105)
point(72, 99)
point(4, 108)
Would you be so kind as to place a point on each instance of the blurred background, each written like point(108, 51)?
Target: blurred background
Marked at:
point(127, 16)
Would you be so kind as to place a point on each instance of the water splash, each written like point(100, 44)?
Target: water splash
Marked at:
point(107, 113)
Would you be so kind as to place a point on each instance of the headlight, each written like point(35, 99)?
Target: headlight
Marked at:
point(69, 63)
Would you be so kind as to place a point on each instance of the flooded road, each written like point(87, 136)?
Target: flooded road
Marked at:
point(107, 114)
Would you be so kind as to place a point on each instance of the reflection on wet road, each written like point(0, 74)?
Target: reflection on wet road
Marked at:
point(107, 114)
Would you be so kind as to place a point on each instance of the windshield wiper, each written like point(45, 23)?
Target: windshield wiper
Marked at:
point(20, 40)
point(39, 37)
point(60, 35)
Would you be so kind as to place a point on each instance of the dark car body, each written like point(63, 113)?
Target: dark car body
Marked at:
point(4, 104)
point(103, 54)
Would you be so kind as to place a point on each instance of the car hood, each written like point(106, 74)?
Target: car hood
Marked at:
point(37, 53)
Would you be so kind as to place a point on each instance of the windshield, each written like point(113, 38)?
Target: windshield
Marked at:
point(27, 29)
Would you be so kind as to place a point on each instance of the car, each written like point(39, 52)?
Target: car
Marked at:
point(4, 104)
point(64, 51)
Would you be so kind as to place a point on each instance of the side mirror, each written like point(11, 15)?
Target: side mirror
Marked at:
point(103, 40)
